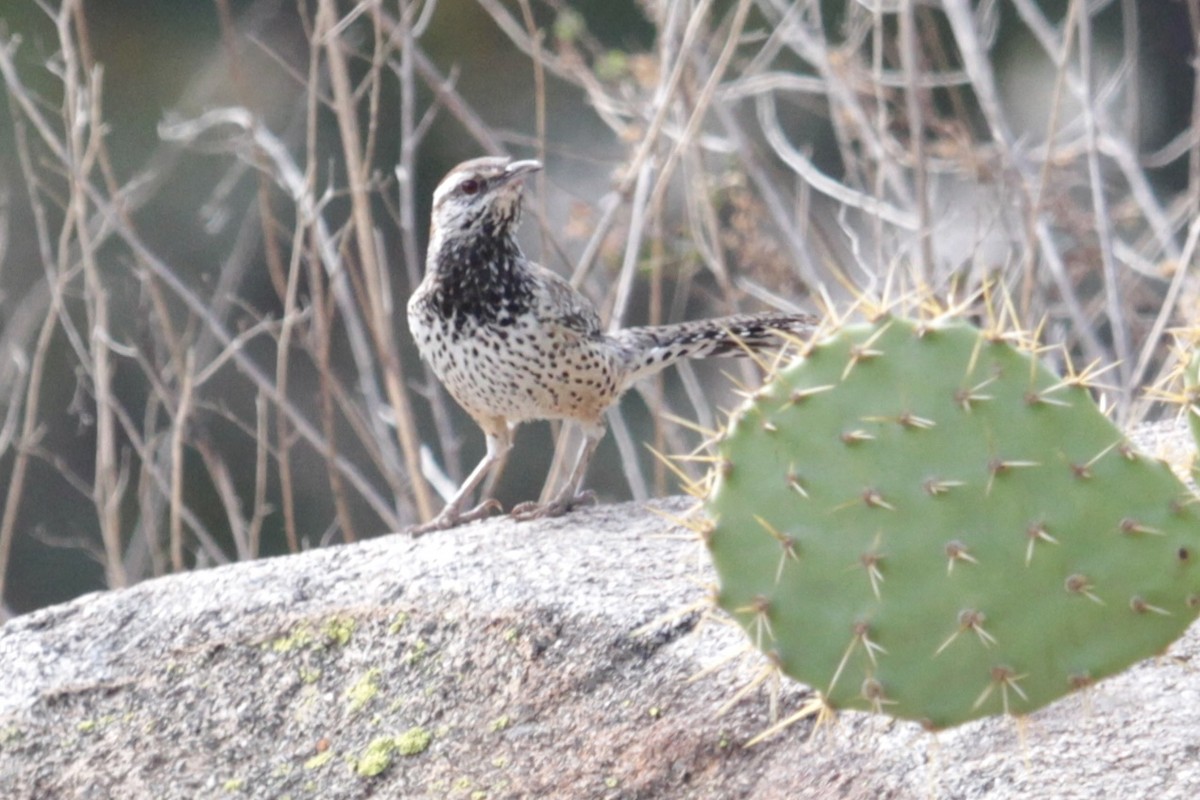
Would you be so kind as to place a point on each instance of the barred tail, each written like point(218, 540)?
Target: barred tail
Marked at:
point(650, 349)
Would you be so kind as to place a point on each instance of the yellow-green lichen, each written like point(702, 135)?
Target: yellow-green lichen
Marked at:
point(319, 760)
point(234, 785)
point(499, 723)
point(376, 758)
point(301, 636)
point(338, 630)
point(398, 622)
point(91, 725)
point(363, 691)
point(11, 735)
point(413, 741)
point(417, 652)
point(378, 755)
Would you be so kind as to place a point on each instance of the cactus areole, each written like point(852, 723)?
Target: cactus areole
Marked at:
point(922, 520)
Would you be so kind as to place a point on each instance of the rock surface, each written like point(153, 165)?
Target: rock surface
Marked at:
point(502, 659)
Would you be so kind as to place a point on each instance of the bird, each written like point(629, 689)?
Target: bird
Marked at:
point(513, 341)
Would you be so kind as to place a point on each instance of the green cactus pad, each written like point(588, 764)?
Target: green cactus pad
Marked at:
point(1191, 383)
point(924, 521)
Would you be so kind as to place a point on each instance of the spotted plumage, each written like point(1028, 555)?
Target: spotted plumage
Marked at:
point(513, 342)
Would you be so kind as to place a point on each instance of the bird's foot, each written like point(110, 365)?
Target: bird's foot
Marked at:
point(452, 518)
point(555, 508)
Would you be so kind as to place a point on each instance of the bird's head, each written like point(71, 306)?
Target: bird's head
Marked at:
point(480, 197)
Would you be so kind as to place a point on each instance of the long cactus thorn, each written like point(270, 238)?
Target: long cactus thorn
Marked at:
point(1139, 605)
point(1006, 678)
point(1084, 471)
point(1086, 379)
point(909, 420)
point(953, 312)
point(861, 637)
point(1037, 335)
point(870, 562)
point(760, 610)
point(956, 551)
point(796, 483)
point(696, 523)
point(966, 398)
point(727, 657)
point(872, 691)
point(858, 355)
point(758, 359)
point(788, 543)
point(692, 458)
point(1134, 528)
point(812, 707)
point(738, 384)
point(795, 344)
point(800, 395)
point(856, 436)
point(969, 619)
point(1179, 505)
point(762, 676)
point(999, 466)
point(998, 336)
point(973, 361)
point(691, 425)
point(672, 463)
point(937, 486)
point(1043, 398)
point(1036, 532)
point(1078, 583)
point(862, 632)
point(905, 419)
point(866, 350)
point(873, 498)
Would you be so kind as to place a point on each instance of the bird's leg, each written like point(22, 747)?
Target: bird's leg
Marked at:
point(569, 496)
point(498, 444)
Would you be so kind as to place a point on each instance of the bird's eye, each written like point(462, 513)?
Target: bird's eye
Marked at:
point(469, 186)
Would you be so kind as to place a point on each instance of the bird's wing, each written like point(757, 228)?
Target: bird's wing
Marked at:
point(563, 304)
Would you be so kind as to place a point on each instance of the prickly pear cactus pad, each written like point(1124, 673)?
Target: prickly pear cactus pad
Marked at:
point(1191, 383)
point(921, 520)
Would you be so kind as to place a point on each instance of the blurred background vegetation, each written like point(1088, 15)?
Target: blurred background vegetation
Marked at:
point(211, 215)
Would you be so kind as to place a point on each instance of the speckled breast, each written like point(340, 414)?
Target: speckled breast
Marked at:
point(522, 370)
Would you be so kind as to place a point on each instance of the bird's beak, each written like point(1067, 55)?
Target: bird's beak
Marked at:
point(519, 169)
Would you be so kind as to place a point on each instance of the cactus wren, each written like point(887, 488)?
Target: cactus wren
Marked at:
point(512, 341)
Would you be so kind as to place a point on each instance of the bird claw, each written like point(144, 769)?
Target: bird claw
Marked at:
point(450, 518)
point(555, 508)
